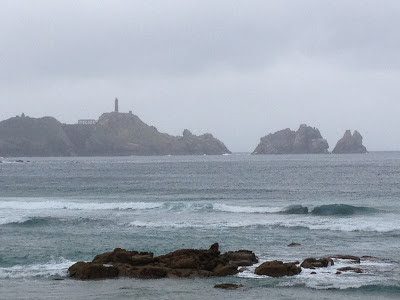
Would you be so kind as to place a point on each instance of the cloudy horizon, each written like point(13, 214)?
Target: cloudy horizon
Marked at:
point(237, 69)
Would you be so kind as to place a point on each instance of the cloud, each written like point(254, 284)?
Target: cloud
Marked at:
point(239, 69)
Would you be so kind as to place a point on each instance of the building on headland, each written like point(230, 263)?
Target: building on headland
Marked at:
point(87, 122)
point(94, 122)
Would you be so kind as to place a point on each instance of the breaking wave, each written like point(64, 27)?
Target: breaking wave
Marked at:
point(51, 204)
point(57, 267)
point(341, 210)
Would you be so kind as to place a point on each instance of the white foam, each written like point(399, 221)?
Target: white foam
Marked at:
point(326, 278)
point(13, 219)
point(245, 209)
point(72, 205)
point(57, 267)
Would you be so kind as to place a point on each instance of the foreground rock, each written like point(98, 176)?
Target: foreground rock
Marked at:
point(277, 268)
point(312, 263)
point(229, 286)
point(350, 143)
point(178, 264)
point(304, 141)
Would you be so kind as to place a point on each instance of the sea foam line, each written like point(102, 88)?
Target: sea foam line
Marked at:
point(42, 205)
point(58, 267)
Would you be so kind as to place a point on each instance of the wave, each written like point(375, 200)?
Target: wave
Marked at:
point(341, 210)
point(323, 210)
point(295, 210)
point(71, 205)
point(48, 221)
point(245, 209)
point(57, 267)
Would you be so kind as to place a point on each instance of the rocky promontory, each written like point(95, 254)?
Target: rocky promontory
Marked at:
point(306, 140)
point(350, 143)
point(114, 134)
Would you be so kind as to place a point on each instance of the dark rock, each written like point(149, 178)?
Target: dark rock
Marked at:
point(84, 270)
point(354, 259)
point(277, 269)
point(183, 263)
point(350, 143)
point(294, 244)
point(313, 273)
point(241, 257)
point(123, 256)
point(305, 140)
point(295, 210)
point(344, 269)
point(227, 270)
point(228, 286)
point(312, 263)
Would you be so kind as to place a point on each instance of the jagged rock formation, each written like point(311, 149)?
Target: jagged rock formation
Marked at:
point(177, 264)
point(114, 134)
point(305, 140)
point(350, 143)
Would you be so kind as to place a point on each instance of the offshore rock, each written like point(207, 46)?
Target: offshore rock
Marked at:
point(312, 263)
point(350, 143)
point(277, 268)
point(228, 286)
point(183, 263)
point(306, 140)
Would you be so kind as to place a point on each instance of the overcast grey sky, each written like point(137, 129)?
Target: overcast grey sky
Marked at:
point(236, 69)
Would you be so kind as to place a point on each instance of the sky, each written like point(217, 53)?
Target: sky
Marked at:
point(237, 69)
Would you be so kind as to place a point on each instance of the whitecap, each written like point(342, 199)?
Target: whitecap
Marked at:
point(57, 267)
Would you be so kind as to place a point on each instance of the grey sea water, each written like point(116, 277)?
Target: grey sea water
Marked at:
point(57, 211)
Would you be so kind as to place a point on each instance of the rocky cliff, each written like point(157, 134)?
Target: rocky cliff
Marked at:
point(25, 136)
point(350, 143)
point(113, 134)
point(303, 141)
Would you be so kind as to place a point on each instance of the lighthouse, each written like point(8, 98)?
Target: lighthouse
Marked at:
point(116, 105)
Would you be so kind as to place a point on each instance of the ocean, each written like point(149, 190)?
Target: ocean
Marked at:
point(57, 211)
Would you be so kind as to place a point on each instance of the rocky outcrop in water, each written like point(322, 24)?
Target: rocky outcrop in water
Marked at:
point(350, 143)
point(312, 263)
point(181, 263)
point(306, 140)
point(193, 263)
point(114, 134)
point(277, 268)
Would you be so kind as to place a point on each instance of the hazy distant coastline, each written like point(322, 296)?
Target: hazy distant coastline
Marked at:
point(113, 134)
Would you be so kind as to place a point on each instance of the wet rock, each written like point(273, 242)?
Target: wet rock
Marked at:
point(241, 257)
point(84, 270)
point(277, 268)
point(123, 256)
point(294, 244)
point(355, 270)
point(312, 263)
point(183, 263)
point(354, 259)
point(228, 286)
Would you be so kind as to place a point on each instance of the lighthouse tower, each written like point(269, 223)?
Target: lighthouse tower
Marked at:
point(116, 104)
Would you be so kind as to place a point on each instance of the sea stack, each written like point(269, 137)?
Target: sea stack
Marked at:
point(350, 143)
point(306, 140)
